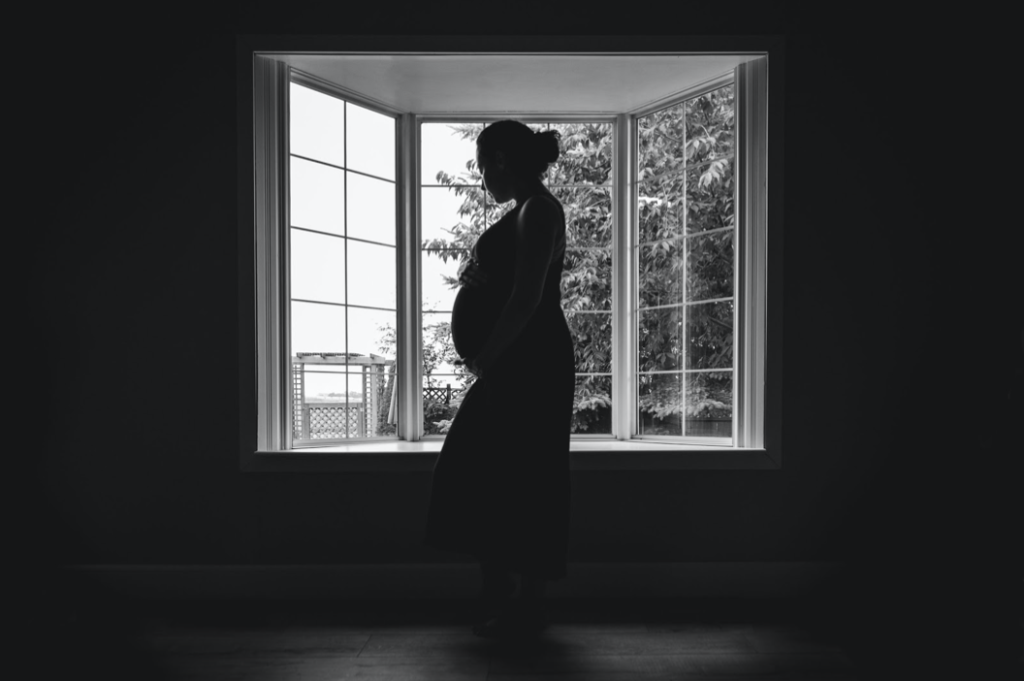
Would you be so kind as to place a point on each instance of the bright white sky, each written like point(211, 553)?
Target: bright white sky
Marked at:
point(318, 202)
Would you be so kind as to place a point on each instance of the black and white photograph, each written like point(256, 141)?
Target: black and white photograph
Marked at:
point(507, 341)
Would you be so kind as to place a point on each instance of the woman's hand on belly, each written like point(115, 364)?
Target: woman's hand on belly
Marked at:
point(472, 274)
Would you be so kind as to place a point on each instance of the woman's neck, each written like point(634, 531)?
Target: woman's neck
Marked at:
point(527, 189)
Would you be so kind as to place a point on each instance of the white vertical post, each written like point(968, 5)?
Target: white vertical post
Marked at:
point(270, 156)
point(623, 279)
point(410, 333)
point(751, 256)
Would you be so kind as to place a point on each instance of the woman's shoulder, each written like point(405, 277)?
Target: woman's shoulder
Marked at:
point(543, 202)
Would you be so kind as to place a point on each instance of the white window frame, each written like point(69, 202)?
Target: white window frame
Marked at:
point(410, 451)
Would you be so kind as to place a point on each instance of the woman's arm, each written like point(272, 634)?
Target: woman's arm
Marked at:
point(537, 229)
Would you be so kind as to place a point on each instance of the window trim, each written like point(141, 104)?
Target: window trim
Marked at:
point(410, 451)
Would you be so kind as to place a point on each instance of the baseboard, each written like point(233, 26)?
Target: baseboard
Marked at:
point(393, 581)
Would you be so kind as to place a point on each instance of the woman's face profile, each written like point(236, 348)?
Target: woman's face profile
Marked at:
point(494, 180)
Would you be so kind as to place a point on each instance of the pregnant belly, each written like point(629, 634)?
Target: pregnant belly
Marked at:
point(474, 314)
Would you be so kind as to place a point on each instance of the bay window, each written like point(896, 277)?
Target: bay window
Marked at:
point(366, 205)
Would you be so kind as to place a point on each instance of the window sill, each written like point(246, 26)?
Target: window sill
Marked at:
point(397, 456)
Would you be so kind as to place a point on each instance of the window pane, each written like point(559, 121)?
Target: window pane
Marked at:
point(661, 210)
point(710, 202)
point(451, 214)
point(316, 125)
point(660, 273)
point(709, 404)
point(709, 332)
point(438, 350)
point(439, 277)
point(371, 208)
point(317, 267)
point(317, 328)
point(446, 150)
point(709, 266)
point(586, 156)
point(324, 382)
point(588, 215)
point(592, 406)
point(710, 125)
point(321, 411)
point(369, 332)
point(660, 338)
point(371, 142)
point(587, 279)
point(660, 400)
point(661, 141)
point(317, 196)
point(371, 273)
point(592, 338)
point(442, 395)
point(343, 401)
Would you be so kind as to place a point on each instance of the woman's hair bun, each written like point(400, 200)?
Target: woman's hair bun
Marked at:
point(547, 146)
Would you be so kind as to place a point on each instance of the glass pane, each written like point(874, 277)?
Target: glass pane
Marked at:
point(452, 215)
point(592, 406)
point(587, 279)
point(588, 215)
point(710, 125)
point(371, 142)
point(661, 210)
point(371, 274)
point(660, 403)
point(317, 267)
point(660, 273)
point(660, 338)
point(371, 208)
point(709, 404)
point(369, 332)
point(439, 354)
point(317, 328)
point(324, 412)
point(317, 196)
point(325, 383)
point(586, 154)
point(441, 399)
point(316, 125)
point(439, 277)
point(709, 333)
point(710, 203)
point(709, 266)
point(592, 338)
point(661, 141)
point(444, 149)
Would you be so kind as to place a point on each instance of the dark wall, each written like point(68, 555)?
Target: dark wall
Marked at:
point(141, 319)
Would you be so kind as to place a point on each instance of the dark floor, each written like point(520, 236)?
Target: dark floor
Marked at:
point(431, 639)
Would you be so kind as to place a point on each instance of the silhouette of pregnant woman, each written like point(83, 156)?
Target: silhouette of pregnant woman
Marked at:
point(501, 485)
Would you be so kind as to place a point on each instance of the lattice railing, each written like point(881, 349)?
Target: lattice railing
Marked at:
point(328, 420)
point(444, 394)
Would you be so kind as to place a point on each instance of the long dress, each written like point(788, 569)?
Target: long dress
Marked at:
point(501, 486)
